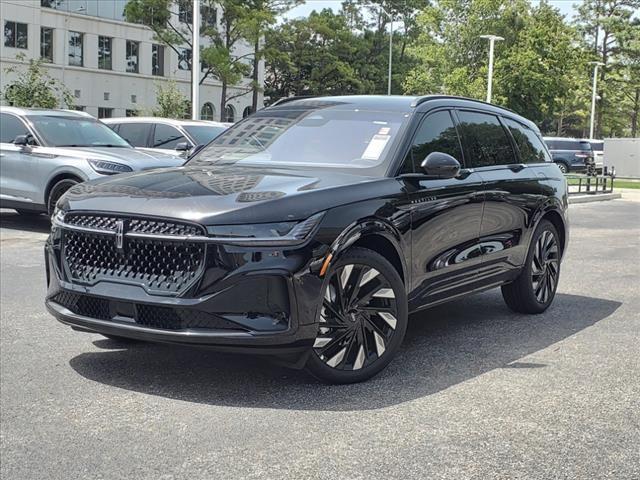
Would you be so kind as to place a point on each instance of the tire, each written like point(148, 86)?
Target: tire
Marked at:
point(28, 213)
point(358, 340)
point(535, 288)
point(563, 167)
point(57, 191)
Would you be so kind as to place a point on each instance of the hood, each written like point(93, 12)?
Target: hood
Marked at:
point(136, 159)
point(226, 195)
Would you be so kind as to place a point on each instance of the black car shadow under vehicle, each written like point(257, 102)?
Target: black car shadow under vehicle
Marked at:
point(444, 346)
point(31, 223)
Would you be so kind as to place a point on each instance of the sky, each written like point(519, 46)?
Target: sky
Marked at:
point(566, 7)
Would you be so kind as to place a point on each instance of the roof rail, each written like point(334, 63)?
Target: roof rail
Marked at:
point(421, 100)
point(291, 99)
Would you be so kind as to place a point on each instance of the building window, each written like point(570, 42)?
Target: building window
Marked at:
point(104, 112)
point(209, 16)
point(104, 53)
point(15, 35)
point(229, 114)
point(131, 113)
point(157, 60)
point(132, 56)
point(185, 11)
point(76, 53)
point(207, 112)
point(46, 44)
point(184, 59)
point(246, 112)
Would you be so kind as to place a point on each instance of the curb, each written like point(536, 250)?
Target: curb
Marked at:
point(595, 197)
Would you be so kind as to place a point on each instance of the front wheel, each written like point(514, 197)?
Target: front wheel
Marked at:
point(563, 167)
point(534, 289)
point(362, 321)
point(57, 191)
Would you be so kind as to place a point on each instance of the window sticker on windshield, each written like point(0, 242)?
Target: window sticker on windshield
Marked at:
point(375, 147)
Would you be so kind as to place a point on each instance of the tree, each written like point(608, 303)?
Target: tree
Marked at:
point(35, 88)
point(170, 101)
point(256, 26)
point(217, 53)
point(605, 26)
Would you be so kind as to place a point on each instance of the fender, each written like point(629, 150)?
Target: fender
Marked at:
point(360, 229)
point(552, 204)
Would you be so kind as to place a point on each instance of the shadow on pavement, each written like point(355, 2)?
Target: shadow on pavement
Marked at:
point(444, 346)
point(30, 223)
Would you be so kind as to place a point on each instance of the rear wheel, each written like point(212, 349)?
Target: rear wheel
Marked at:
point(57, 191)
point(534, 289)
point(363, 319)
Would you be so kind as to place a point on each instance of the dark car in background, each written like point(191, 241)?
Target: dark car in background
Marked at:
point(571, 154)
point(311, 229)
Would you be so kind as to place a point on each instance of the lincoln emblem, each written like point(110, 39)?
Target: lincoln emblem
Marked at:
point(119, 234)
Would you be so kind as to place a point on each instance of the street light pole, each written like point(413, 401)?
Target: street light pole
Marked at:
point(492, 39)
point(390, 16)
point(593, 96)
point(195, 62)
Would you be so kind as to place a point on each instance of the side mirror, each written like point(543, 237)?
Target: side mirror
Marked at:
point(183, 147)
point(21, 140)
point(440, 165)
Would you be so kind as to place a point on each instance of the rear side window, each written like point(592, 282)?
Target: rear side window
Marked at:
point(568, 145)
point(486, 141)
point(10, 128)
point(137, 134)
point(167, 137)
point(531, 148)
point(436, 133)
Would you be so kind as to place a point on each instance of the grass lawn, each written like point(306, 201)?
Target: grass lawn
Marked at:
point(616, 183)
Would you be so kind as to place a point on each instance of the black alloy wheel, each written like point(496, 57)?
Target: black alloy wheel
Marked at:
point(535, 287)
point(363, 319)
point(545, 266)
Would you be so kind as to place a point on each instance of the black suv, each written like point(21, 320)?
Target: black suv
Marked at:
point(571, 154)
point(311, 229)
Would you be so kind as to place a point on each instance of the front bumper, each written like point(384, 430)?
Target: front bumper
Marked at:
point(257, 302)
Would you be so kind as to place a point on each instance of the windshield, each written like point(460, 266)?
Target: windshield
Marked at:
point(58, 131)
point(203, 134)
point(319, 134)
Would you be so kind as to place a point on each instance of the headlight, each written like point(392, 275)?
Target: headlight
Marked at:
point(266, 234)
point(109, 168)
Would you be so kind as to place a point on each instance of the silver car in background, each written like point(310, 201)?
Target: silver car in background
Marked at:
point(166, 134)
point(45, 152)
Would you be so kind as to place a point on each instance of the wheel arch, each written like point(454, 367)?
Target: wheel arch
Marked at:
point(64, 175)
point(378, 236)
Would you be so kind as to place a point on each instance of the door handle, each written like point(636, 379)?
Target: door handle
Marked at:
point(517, 167)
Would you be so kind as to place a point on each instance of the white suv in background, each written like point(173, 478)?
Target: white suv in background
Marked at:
point(165, 134)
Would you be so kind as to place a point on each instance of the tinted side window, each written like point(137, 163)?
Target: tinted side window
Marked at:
point(167, 137)
point(436, 133)
point(485, 140)
point(531, 148)
point(10, 128)
point(135, 133)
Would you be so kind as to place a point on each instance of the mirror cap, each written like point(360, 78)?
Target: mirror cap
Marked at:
point(440, 165)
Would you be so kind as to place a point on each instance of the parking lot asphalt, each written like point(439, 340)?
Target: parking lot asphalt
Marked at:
point(477, 392)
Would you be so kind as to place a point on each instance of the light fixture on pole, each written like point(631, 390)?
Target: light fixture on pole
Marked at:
point(390, 16)
point(492, 40)
point(593, 96)
point(195, 62)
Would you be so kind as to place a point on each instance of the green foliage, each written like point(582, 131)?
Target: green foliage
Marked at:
point(170, 102)
point(33, 87)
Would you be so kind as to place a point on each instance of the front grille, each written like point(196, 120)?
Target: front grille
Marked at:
point(162, 318)
point(137, 225)
point(160, 266)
